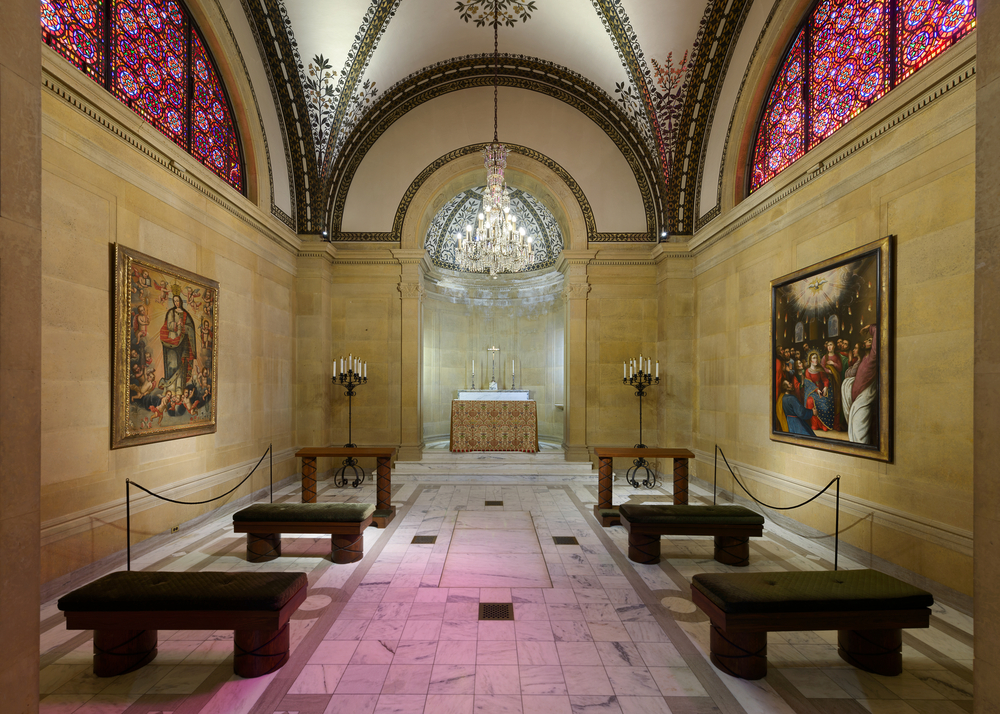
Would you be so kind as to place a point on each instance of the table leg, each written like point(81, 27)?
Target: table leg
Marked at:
point(680, 482)
point(308, 479)
point(878, 651)
point(384, 510)
point(604, 511)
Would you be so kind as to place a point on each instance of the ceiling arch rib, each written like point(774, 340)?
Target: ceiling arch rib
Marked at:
point(721, 29)
point(517, 72)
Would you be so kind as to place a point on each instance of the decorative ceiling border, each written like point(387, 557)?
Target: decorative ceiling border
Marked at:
point(717, 208)
point(519, 72)
point(275, 210)
point(708, 69)
point(65, 92)
point(271, 32)
point(619, 28)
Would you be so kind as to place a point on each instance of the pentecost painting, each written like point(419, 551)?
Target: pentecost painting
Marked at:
point(830, 370)
point(166, 333)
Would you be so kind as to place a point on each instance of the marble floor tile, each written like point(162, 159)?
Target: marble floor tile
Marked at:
point(578, 653)
point(495, 570)
point(362, 679)
point(497, 679)
point(677, 682)
point(530, 611)
point(415, 652)
point(612, 631)
point(588, 704)
point(533, 630)
point(453, 679)
point(619, 654)
point(334, 652)
point(347, 630)
point(456, 652)
point(460, 630)
point(495, 520)
point(449, 704)
point(400, 704)
point(557, 596)
point(374, 652)
point(407, 679)
point(461, 611)
point(384, 630)
point(545, 704)
point(587, 679)
point(318, 679)
point(496, 630)
point(484, 541)
point(546, 679)
point(497, 704)
point(632, 681)
point(643, 705)
point(537, 653)
point(571, 631)
point(496, 652)
point(814, 683)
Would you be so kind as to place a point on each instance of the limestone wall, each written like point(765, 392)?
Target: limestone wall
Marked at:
point(524, 317)
point(905, 168)
point(99, 188)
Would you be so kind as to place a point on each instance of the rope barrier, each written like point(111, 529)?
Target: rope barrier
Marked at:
point(836, 479)
point(128, 499)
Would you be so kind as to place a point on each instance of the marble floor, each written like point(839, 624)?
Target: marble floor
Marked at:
point(593, 633)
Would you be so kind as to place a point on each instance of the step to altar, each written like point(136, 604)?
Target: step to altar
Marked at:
point(497, 465)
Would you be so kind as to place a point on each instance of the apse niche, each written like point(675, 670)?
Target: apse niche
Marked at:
point(519, 313)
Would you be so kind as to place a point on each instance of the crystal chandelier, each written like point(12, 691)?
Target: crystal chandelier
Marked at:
point(497, 245)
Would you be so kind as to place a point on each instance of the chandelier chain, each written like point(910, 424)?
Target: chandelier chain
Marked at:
point(496, 64)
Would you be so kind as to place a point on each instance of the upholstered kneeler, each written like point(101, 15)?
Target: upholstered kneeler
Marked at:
point(732, 527)
point(868, 608)
point(126, 609)
point(265, 522)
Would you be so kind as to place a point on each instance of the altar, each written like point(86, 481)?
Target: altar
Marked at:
point(494, 424)
point(493, 395)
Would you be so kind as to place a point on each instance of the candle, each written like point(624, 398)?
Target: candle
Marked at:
point(366, 370)
point(657, 369)
point(341, 365)
point(648, 370)
point(624, 370)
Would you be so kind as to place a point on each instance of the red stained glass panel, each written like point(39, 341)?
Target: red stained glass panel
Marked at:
point(213, 134)
point(928, 27)
point(149, 61)
point(781, 136)
point(75, 29)
point(848, 68)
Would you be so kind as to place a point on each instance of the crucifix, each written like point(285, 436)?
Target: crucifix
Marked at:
point(493, 368)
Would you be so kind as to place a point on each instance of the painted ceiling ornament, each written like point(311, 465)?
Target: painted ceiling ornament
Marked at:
point(493, 12)
point(321, 98)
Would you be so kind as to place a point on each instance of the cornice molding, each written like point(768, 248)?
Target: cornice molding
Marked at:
point(114, 118)
point(791, 181)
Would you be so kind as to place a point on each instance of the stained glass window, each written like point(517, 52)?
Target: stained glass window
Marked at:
point(213, 136)
point(781, 137)
point(156, 63)
point(848, 65)
point(75, 29)
point(852, 52)
point(926, 28)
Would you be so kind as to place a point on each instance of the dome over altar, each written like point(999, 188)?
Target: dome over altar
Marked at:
point(463, 210)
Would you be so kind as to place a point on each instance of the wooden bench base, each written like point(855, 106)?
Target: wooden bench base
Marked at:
point(127, 640)
point(732, 542)
point(264, 537)
point(870, 640)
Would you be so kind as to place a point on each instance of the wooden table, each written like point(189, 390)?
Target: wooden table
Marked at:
point(605, 456)
point(384, 510)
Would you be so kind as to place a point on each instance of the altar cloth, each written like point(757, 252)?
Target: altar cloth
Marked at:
point(494, 426)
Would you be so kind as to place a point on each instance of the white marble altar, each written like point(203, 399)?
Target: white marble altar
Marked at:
point(493, 395)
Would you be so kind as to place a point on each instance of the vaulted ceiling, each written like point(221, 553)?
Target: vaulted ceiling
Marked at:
point(647, 73)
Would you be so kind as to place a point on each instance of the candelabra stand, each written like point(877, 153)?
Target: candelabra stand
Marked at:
point(350, 380)
point(640, 381)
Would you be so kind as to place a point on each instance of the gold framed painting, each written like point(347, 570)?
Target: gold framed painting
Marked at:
point(165, 351)
point(831, 324)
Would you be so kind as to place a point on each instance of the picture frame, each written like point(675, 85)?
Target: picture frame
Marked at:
point(166, 322)
point(831, 354)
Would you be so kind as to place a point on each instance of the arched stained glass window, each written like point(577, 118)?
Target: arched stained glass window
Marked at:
point(156, 63)
point(848, 54)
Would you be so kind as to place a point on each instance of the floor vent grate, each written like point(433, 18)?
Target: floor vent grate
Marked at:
point(418, 540)
point(496, 611)
point(565, 540)
point(494, 503)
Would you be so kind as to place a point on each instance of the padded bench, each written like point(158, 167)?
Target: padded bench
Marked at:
point(732, 527)
point(866, 607)
point(265, 522)
point(126, 609)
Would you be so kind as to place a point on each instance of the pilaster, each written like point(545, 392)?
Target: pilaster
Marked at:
point(573, 264)
point(411, 293)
